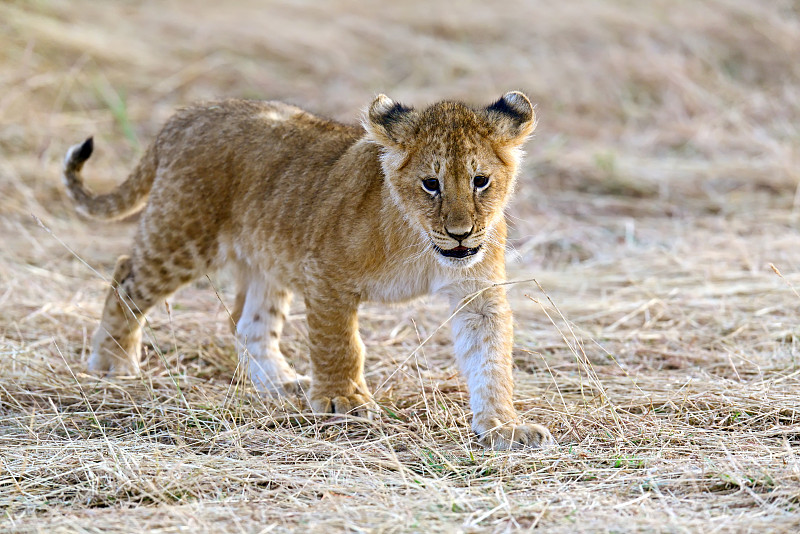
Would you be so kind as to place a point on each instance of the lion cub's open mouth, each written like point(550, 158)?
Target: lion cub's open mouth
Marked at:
point(458, 252)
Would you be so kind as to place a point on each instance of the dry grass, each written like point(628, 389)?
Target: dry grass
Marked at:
point(658, 343)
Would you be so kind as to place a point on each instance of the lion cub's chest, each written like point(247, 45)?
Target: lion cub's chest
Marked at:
point(402, 283)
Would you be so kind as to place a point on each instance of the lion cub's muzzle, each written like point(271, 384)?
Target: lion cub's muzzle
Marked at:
point(457, 246)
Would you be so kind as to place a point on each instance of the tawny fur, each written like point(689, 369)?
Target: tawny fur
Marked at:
point(339, 215)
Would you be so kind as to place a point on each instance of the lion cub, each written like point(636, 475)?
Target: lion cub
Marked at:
point(409, 203)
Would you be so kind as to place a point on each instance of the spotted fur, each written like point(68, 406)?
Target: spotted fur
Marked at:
point(336, 214)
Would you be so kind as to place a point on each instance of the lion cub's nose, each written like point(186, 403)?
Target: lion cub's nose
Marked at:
point(457, 234)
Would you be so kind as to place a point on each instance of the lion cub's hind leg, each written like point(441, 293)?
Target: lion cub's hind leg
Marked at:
point(259, 315)
point(137, 285)
point(117, 341)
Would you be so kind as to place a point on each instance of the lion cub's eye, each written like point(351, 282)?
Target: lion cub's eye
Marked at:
point(431, 185)
point(480, 181)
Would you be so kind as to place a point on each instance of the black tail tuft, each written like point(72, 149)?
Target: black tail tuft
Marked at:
point(84, 152)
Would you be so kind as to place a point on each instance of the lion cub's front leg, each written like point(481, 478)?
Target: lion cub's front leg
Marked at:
point(483, 335)
point(337, 356)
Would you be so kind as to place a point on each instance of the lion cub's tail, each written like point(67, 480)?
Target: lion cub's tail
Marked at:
point(128, 198)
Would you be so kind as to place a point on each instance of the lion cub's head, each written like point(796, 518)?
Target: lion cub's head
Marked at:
point(450, 168)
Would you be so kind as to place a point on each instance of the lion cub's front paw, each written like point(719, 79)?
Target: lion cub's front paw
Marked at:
point(296, 387)
point(283, 385)
point(354, 404)
point(498, 436)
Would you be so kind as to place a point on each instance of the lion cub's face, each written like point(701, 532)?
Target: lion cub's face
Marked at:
point(451, 168)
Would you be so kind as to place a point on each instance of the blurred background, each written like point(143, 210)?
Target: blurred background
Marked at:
point(647, 111)
point(681, 105)
point(660, 189)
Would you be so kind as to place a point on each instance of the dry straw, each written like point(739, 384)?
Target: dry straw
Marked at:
point(657, 214)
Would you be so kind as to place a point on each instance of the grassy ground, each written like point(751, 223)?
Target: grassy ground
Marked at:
point(658, 213)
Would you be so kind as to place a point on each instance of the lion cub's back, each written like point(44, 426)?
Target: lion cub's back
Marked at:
point(215, 154)
point(245, 169)
point(251, 129)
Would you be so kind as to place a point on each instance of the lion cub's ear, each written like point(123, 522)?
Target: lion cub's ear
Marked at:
point(389, 123)
point(512, 118)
